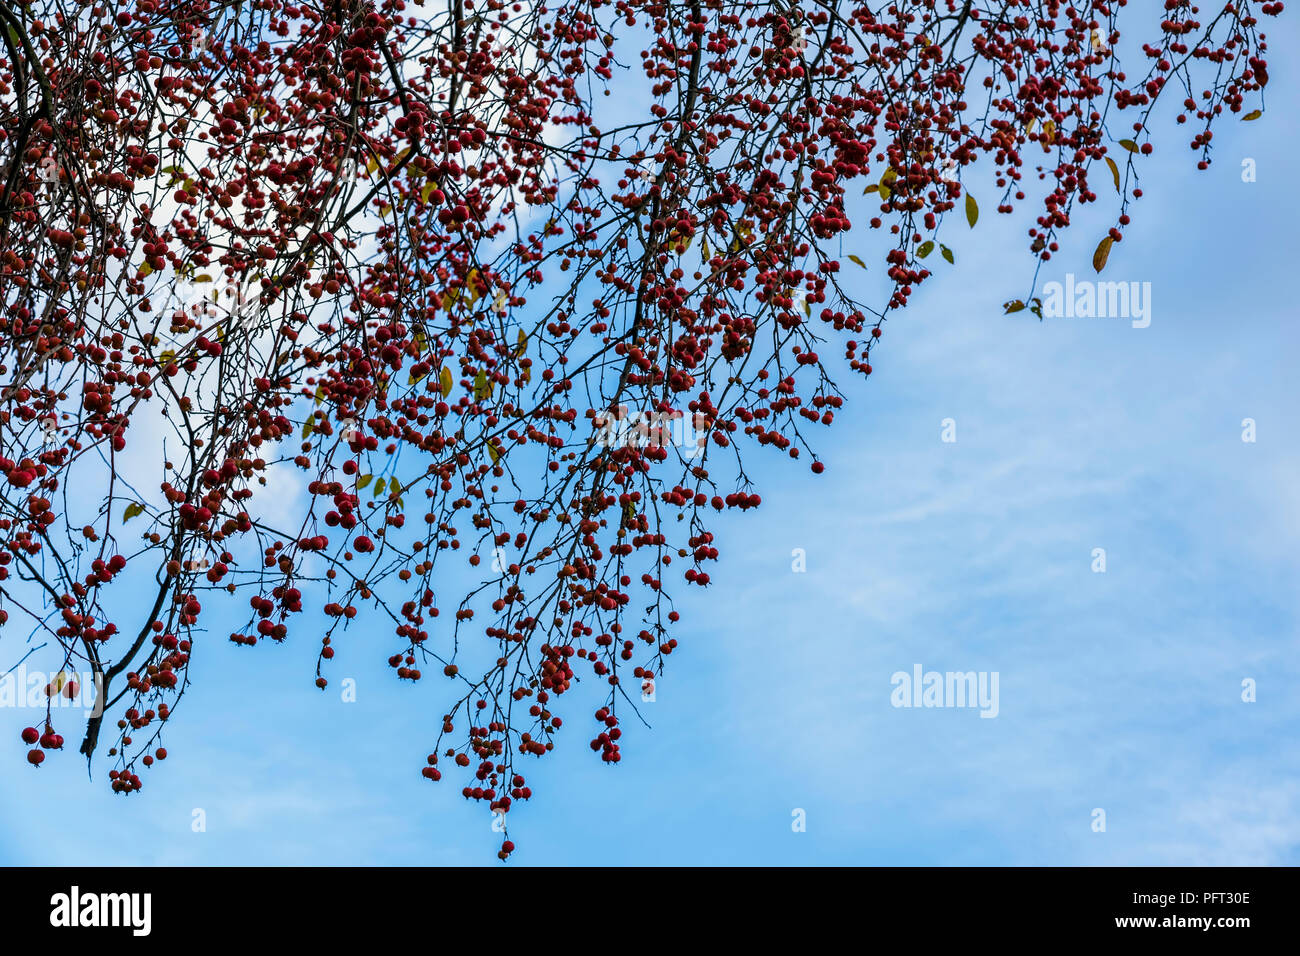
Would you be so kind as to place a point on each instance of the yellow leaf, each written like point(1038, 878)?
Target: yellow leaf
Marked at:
point(447, 381)
point(972, 210)
point(1114, 171)
point(853, 258)
point(1102, 254)
point(472, 286)
point(1128, 144)
point(1252, 115)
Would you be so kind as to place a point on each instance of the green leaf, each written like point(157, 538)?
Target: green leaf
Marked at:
point(133, 509)
point(363, 481)
point(307, 428)
point(1128, 144)
point(946, 253)
point(925, 249)
point(972, 210)
point(379, 487)
point(854, 258)
point(1252, 115)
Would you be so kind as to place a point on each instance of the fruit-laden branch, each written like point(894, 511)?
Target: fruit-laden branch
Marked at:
point(460, 319)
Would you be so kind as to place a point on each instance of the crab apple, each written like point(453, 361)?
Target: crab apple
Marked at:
point(468, 336)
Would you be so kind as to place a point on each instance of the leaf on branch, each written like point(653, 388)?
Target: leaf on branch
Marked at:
point(972, 210)
point(887, 183)
point(1015, 305)
point(1102, 254)
point(1128, 144)
point(133, 509)
point(1252, 115)
point(363, 481)
point(854, 258)
point(1114, 171)
point(447, 381)
point(474, 286)
point(925, 249)
point(946, 253)
point(379, 487)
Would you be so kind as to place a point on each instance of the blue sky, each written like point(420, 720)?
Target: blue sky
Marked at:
point(1119, 691)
